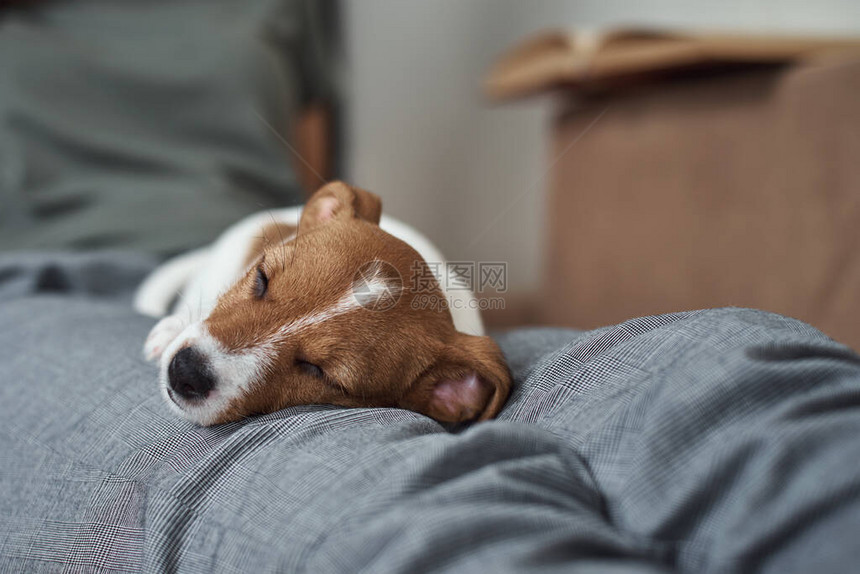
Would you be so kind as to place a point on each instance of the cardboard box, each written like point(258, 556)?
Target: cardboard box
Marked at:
point(693, 171)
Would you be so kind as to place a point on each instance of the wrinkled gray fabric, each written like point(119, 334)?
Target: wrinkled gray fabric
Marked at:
point(713, 441)
point(143, 125)
point(107, 275)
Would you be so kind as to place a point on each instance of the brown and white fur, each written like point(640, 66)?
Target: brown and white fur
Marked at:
point(268, 318)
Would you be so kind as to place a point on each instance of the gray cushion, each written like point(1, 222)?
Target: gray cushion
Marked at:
point(720, 440)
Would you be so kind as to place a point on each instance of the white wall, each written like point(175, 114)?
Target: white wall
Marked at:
point(471, 175)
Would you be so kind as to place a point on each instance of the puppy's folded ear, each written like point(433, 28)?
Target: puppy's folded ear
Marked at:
point(337, 201)
point(469, 381)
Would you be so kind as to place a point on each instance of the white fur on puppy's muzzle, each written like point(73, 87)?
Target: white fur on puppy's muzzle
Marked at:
point(233, 374)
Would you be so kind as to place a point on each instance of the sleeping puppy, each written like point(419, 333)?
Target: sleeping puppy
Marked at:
point(319, 305)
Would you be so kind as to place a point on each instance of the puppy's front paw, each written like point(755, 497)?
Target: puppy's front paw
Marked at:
point(161, 336)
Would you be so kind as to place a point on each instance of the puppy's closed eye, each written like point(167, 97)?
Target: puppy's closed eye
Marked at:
point(261, 283)
point(317, 372)
point(310, 369)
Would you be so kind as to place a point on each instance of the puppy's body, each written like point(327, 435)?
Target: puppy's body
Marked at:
point(190, 284)
point(275, 313)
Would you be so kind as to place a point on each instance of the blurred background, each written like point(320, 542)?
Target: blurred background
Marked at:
point(421, 133)
point(621, 158)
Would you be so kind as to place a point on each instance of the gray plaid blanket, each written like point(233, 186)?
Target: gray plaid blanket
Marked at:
point(722, 440)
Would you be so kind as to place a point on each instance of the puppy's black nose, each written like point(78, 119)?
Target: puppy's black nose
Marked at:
point(189, 374)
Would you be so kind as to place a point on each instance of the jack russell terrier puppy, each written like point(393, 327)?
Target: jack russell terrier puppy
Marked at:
point(315, 305)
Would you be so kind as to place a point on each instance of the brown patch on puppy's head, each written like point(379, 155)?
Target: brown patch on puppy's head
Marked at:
point(292, 330)
point(274, 233)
